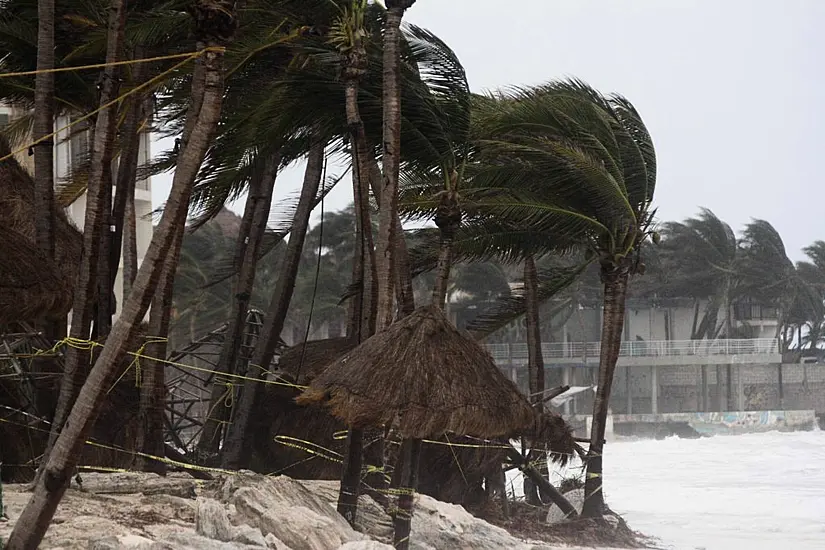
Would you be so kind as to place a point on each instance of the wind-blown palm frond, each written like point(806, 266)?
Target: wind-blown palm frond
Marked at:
point(507, 309)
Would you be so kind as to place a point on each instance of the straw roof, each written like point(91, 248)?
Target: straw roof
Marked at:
point(303, 362)
point(31, 287)
point(427, 376)
point(21, 260)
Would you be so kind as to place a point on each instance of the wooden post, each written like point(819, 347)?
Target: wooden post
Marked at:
point(781, 389)
point(654, 389)
point(565, 377)
point(705, 389)
point(402, 520)
point(740, 387)
point(629, 389)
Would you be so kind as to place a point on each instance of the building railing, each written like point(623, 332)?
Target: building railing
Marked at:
point(517, 353)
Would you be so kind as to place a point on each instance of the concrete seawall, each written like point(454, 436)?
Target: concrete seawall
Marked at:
point(701, 424)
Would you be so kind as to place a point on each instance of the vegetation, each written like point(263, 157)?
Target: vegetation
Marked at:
point(541, 197)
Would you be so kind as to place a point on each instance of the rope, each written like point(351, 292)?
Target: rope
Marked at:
point(88, 345)
point(115, 101)
point(112, 64)
point(317, 276)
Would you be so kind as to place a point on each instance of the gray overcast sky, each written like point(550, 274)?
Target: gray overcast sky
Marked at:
point(731, 91)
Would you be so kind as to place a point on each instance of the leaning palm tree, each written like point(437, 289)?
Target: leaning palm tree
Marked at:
point(215, 25)
point(702, 256)
point(566, 159)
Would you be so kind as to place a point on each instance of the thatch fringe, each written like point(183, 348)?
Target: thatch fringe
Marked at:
point(28, 284)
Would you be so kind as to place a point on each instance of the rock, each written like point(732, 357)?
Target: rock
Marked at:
point(366, 545)
point(245, 534)
point(576, 498)
point(212, 520)
point(134, 542)
point(181, 541)
point(123, 483)
point(439, 525)
point(435, 525)
point(106, 543)
point(288, 510)
point(248, 512)
point(274, 543)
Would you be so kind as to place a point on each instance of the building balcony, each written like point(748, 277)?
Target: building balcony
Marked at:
point(640, 353)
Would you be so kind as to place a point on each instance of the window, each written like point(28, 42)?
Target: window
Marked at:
point(748, 310)
point(79, 146)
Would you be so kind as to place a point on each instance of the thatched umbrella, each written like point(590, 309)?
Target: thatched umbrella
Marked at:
point(277, 415)
point(305, 361)
point(425, 378)
point(453, 474)
point(39, 294)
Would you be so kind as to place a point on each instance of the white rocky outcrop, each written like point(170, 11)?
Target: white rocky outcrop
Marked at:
point(242, 512)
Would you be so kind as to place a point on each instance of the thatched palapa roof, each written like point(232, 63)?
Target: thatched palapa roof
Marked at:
point(30, 285)
point(429, 377)
point(303, 362)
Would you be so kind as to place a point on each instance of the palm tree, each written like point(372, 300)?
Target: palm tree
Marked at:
point(766, 273)
point(253, 228)
point(807, 308)
point(388, 199)
point(96, 218)
point(43, 127)
point(215, 25)
point(702, 255)
point(281, 298)
point(572, 161)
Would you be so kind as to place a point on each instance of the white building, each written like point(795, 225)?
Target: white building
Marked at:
point(68, 151)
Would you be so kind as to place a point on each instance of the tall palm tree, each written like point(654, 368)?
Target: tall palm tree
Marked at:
point(215, 25)
point(573, 161)
point(250, 237)
point(388, 199)
point(277, 312)
point(44, 126)
point(97, 211)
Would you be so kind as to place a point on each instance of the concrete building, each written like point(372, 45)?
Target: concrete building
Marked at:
point(70, 148)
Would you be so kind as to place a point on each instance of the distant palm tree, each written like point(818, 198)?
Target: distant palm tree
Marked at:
point(701, 256)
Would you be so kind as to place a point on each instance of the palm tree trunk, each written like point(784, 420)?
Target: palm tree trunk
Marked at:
point(388, 235)
point(233, 457)
point(84, 294)
point(105, 303)
point(149, 440)
point(388, 206)
point(404, 289)
point(44, 150)
point(253, 229)
point(442, 277)
point(49, 489)
point(535, 364)
point(130, 136)
point(615, 291)
point(364, 303)
point(130, 263)
point(361, 180)
point(535, 361)
point(44, 126)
